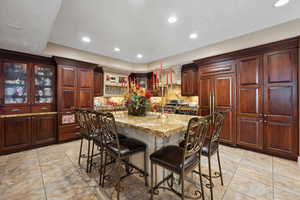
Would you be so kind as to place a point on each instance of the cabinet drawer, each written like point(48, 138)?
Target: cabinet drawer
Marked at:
point(15, 110)
point(69, 132)
point(40, 108)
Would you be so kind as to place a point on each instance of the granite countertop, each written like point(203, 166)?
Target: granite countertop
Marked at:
point(162, 127)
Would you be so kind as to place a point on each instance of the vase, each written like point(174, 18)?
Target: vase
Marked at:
point(141, 111)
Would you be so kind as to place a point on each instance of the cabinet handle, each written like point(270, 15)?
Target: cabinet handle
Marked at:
point(15, 110)
point(44, 108)
point(77, 127)
point(77, 133)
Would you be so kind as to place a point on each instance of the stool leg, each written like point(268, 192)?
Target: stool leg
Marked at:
point(104, 169)
point(101, 165)
point(200, 176)
point(80, 150)
point(88, 156)
point(182, 185)
point(210, 179)
point(151, 190)
point(220, 168)
point(145, 169)
point(92, 155)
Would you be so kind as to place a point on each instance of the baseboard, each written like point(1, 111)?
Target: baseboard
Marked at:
point(299, 161)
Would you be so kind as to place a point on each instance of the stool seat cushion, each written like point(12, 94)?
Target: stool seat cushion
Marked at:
point(170, 157)
point(128, 146)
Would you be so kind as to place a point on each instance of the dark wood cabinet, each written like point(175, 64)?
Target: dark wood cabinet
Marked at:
point(281, 102)
point(16, 133)
point(250, 102)
point(266, 96)
point(75, 85)
point(44, 129)
point(189, 83)
point(98, 82)
point(217, 93)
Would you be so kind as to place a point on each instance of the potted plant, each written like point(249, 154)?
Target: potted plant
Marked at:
point(137, 100)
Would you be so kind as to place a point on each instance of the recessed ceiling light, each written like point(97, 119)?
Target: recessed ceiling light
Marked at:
point(280, 3)
point(193, 35)
point(86, 39)
point(139, 55)
point(172, 19)
point(117, 49)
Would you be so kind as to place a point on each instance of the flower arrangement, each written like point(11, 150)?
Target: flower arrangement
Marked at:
point(137, 100)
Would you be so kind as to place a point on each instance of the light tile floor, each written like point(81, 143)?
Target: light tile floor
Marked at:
point(52, 173)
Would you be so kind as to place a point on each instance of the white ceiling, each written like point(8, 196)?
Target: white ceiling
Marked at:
point(135, 26)
point(26, 25)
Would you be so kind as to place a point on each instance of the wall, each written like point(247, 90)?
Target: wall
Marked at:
point(272, 34)
point(113, 65)
point(299, 98)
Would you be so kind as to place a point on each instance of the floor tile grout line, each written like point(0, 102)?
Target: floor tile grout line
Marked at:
point(42, 174)
point(233, 175)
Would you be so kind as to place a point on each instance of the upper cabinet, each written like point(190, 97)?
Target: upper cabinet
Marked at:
point(189, 83)
point(27, 83)
point(16, 77)
point(98, 82)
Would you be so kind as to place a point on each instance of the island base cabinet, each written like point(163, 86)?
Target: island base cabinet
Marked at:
point(16, 133)
point(20, 133)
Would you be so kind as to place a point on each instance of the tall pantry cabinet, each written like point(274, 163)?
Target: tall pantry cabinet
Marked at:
point(75, 86)
point(259, 87)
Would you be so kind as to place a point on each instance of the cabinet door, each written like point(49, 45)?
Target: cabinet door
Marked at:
point(85, 78)
point(205, 96)
point(280, 102)
point(189, 82)
point(67, 76)
point(224, 99)
point(67, 89)
point(16, 83)
point(85, 98)
point(43, 84)
point(98, 84)
point(44, 129)
point(16, 133)
point(249, 102)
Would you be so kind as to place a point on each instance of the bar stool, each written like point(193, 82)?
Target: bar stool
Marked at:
point(82, 118)
point(211, 147)
point(181, 161)
point(120, 149)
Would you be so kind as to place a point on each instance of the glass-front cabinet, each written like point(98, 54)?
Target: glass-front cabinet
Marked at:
point(16, 87)
point(44, 82)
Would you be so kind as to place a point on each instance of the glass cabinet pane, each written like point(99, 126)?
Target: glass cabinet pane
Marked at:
point(44, 84)
point(15, 83)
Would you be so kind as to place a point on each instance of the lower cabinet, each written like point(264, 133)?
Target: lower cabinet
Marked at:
point(44, 129)
point(19, 133)
point(16, 133)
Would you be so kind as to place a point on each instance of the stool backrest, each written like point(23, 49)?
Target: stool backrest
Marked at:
point(109, 130)
point(91, 122)
point(195, 135)
point(216, 126)
point(80, 114)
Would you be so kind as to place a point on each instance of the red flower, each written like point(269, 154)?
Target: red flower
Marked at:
point(148, 94)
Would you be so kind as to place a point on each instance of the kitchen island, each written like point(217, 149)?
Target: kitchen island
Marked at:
point(154, 131)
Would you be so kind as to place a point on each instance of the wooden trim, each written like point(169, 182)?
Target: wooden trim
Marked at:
point(25, 57)
point(71, 62)
point(252, 51)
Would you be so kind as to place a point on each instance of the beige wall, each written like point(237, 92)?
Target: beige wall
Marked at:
point(108, 63)
point(275, 33)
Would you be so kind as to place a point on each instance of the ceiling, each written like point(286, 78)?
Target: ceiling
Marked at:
point(134, 26)
point(26, 25)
